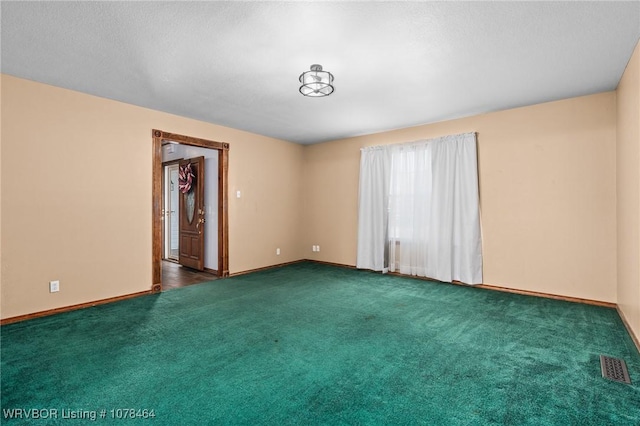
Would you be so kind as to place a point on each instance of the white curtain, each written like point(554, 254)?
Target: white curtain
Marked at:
point(430, 218)
point(373, 213)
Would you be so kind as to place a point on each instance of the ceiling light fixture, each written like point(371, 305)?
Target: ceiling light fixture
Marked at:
point(316, 83)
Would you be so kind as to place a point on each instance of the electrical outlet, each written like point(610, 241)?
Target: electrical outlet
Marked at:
point(278, 251)
point(317, 248)
point(54, 286)
point(313, 248)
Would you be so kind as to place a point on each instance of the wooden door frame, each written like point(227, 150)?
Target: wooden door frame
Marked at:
point(223, 197)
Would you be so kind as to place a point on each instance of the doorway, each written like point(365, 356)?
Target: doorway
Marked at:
point(160, 227)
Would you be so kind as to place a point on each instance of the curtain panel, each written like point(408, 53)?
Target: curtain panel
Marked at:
point(419, 209)
point(373, 210)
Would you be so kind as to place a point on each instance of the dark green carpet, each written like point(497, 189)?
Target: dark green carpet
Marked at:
point(314, 344)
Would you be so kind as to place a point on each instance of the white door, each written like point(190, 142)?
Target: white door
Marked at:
point(171, 223)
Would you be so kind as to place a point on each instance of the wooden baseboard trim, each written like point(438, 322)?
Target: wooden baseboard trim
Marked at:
point(516, 291)
point(322, 262)
point(265, 268)
point(25, 317)
point(635, 338)
point(544, 295)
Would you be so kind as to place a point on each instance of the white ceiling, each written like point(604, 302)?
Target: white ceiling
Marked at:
point(396, 64)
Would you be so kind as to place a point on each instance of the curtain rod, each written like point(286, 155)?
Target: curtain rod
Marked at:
point(374, 147)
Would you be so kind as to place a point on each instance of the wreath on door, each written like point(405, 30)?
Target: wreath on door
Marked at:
point(186, 178)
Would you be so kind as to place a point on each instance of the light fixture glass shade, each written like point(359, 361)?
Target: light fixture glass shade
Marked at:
point(316, 82)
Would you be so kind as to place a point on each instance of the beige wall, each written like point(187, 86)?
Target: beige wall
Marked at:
point(547, 189)
point(628, 192)
point(0, 198)
point(76, 196)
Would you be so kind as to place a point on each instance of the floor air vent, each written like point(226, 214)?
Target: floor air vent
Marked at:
point(614, 369)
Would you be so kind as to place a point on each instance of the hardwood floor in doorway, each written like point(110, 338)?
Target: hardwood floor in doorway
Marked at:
point(175, 275)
